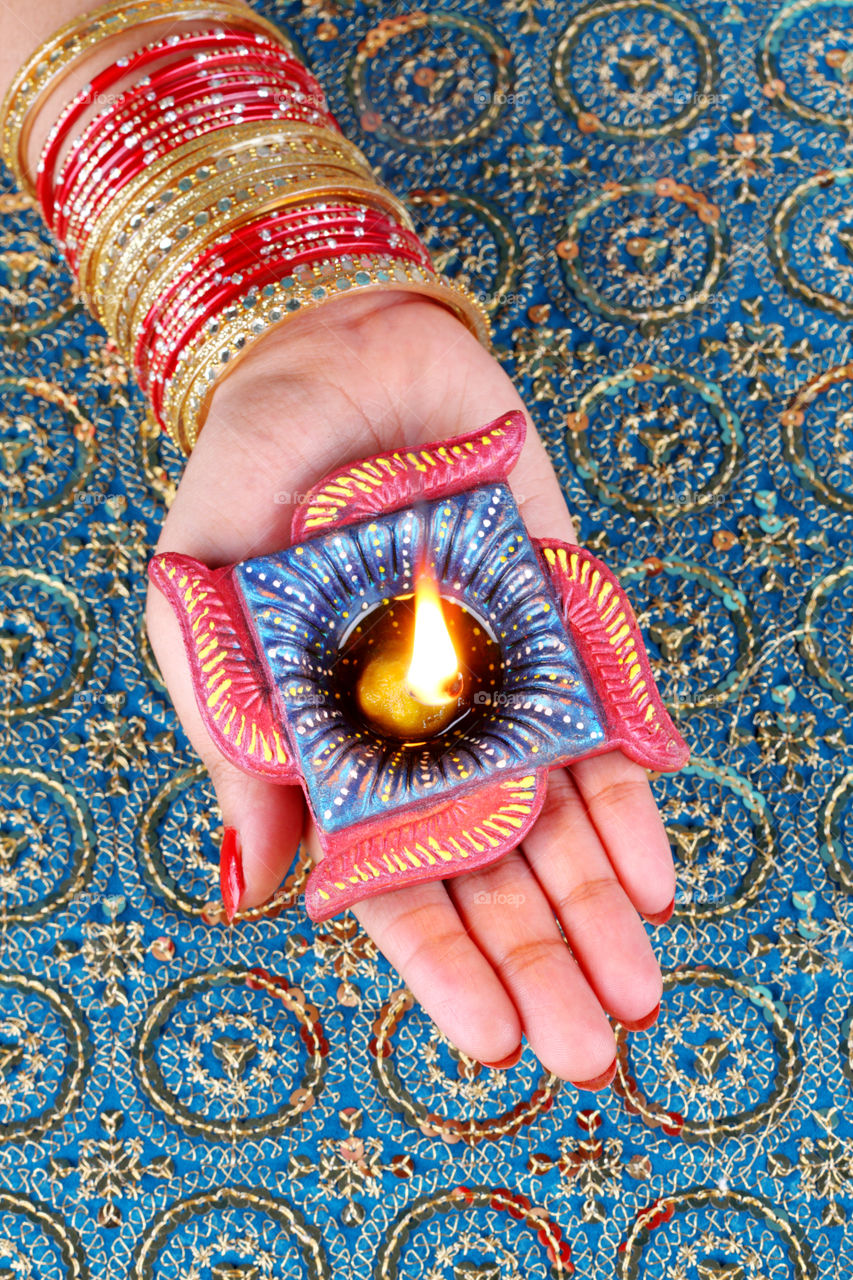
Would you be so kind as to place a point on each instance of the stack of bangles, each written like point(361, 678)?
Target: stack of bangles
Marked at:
point(203, 194)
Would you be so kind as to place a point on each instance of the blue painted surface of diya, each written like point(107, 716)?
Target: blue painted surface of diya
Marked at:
point(552, 667)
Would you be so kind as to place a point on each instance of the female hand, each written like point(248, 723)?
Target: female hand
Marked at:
point(485, 952)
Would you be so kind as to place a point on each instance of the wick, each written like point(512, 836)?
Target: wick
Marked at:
point(452, 689)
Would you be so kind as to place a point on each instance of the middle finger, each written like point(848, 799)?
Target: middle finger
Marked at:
point(509, 917)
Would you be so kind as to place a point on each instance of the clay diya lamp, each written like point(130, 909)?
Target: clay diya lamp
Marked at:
point(416, 662)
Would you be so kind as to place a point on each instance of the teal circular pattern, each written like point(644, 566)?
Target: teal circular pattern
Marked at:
point(232, 1054)
point(36, 1244)
point(817, 435)
point(231, 1232)
point(47, 641)
point(443, 1092)
point(47, 451)
point(35, 287)
point(835, 827)
point(710, 1232)
point(643, 253)
point(471, 241)
point(45, 1051)
point(721, 1060)
point(827, 618)
point(723, 834)
point(656, 442)
point(178, 843)
point(623, 69)
point(810, 242)
point(47, 844)
point(805, 60)
point(441, 1233)
point(430, 80)
point(699, 629)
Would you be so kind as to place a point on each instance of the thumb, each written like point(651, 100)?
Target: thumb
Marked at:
point(263, 820)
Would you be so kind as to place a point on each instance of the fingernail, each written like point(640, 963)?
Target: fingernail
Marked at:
point(597, 1082)
point(642, 1023)
point(510, 1061)
point(660, 917)
point(231, 883)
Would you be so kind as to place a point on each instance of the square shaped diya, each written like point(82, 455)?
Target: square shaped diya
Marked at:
point(305, 603)
point(309, 665)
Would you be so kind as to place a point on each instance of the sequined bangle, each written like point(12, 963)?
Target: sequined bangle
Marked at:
point(222, 40)
point(82, 201)
point(213, 199)
point(186, 398)
point(282, 153)
point(162, 246)
point(223, 149)
point(159, 316)
point(158, 328)
point(193, 220)
point(110, 152)
point(221, 294)
point(58, 56)
point(230, 158)
point(183, 304)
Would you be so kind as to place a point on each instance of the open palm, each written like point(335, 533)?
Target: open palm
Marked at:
point(547, 941)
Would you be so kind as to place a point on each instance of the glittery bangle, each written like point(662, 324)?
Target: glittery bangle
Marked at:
point(239, 45)
point(177, 305)
point(162, 245)
point(112, 143)
point(105, 174)
point(57, 57)
point(186, 399)
point(187, 304)
point(227, 292)
point(161, 316)
point(189, 221)
point(231, 153)
point(221, 149)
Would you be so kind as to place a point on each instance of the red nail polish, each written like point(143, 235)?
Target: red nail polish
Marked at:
point(642, 1024)
point(661, 917)
point(231, 882)
point(509, 1061)
point(597, 1082)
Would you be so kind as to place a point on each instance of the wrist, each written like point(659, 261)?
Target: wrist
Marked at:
point(393, 334)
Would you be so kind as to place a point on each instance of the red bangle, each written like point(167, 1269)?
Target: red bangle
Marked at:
point(170, 46)
point(273, 232)
point(257, 237)
point(270, 273)
point(158, 331)
point(77, 209)
point(218, 263)
point(140, 108)
point(249, 243)
point(87, 156)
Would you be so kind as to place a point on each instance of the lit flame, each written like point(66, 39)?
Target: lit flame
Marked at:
point(433, 677)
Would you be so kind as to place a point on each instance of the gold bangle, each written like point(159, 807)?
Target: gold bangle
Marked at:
point(228, 152)
point(171, 244)
point(123, 304)
point(192, 162)
point(57, 56)
point(162, 221)
point(224, 344)
point(185, 305)
point(134, 290)
point(292, 151)
point(89, 168)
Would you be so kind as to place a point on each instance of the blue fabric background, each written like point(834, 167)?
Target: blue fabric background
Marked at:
point(654, 202)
